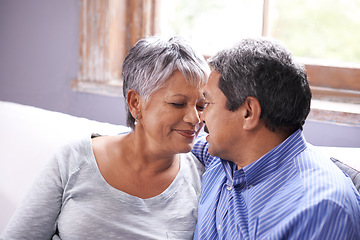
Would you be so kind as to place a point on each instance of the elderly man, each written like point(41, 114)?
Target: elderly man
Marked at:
point(262, 179)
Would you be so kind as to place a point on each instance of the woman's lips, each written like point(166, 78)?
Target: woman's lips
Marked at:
point(187, 133)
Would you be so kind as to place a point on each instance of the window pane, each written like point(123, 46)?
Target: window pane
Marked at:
point(211, 25)
point(320, 29)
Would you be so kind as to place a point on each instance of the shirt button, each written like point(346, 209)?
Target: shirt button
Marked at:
point(228, 187)
point(250, 186)
point(219, 226)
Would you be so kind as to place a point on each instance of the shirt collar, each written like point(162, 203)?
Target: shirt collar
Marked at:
point(257, 171)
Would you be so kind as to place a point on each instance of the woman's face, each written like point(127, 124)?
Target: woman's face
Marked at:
point(171, 117)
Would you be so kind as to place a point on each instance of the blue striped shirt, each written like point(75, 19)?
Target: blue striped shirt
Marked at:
point(292, 192)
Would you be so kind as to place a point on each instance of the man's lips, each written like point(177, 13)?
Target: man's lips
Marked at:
point(206, 129)
point(186, 133)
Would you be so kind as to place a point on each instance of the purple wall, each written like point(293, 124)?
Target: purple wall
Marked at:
point(38, 61)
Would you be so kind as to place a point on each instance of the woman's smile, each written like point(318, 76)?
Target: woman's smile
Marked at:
point(188, 134)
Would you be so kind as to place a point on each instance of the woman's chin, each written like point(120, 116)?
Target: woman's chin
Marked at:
point(186, 149)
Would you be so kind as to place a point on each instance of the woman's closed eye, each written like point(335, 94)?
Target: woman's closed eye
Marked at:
point(178, 105)
point(201, 107)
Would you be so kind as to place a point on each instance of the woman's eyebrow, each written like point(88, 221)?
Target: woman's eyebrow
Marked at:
point(179, 95)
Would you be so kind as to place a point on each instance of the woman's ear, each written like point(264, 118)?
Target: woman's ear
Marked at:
point(134, 102)
point(251, 113)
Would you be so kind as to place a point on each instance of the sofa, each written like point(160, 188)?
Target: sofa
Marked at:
point(30, 136)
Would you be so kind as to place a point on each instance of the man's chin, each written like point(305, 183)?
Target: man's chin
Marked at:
point(212, 152)
point(210, 149)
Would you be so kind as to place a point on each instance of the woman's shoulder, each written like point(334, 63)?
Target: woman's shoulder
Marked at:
point(73, 154)
point(190, 158)
point(72, 148)
point(103, 145)
point(191, 165)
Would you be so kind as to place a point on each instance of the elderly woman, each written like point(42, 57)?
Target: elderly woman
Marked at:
point(139, 185)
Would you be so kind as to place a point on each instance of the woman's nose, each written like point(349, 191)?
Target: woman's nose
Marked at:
point(192, 116)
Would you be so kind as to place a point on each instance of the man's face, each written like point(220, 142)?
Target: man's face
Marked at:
point(224, 126)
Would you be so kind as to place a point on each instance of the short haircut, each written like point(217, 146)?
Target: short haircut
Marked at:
point(264, 69)
point(152, 60)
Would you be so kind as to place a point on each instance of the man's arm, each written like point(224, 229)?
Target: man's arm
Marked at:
point(326, 220)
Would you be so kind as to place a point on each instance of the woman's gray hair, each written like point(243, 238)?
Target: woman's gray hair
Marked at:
point(152, 60)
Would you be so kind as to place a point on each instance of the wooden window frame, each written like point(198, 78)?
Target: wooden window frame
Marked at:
point(108, 29)
point(329, 84)
point(116, 25)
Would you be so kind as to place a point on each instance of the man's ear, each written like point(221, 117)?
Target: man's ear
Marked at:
point(251, 113)
point(134, 102)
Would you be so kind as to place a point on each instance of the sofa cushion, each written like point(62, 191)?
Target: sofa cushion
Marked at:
point(351, 172)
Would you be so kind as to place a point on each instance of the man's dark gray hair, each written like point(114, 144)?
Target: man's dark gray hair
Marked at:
point(264, 69)
point(152, 60)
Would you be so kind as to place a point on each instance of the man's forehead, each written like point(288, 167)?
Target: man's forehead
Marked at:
point(209, 93)
point(215, 74)
point(212, 83)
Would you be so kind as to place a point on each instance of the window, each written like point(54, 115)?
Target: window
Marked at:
point(108, 29)
point(211, 25)
point(323, 33)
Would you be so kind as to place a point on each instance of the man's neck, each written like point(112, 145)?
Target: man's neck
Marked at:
point(257, 145)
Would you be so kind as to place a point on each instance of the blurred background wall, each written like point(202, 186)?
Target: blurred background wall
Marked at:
point(39, 60)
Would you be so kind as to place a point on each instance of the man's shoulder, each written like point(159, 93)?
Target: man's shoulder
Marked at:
point(322, 180)
point(313, 163)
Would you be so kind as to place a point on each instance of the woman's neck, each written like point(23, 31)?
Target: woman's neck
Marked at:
point(143, 156)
